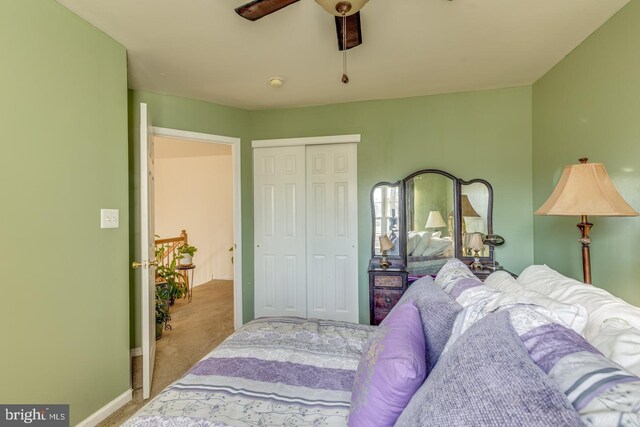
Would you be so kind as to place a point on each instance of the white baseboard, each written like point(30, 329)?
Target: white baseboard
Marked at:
point(136, 351)
point(108, 409)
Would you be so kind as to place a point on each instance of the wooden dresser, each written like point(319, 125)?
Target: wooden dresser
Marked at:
point(386, 286)
point(421, 221)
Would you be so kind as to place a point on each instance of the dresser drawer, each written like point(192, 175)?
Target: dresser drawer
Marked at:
point(379, 315)
point(385, 299)
point(385, 281)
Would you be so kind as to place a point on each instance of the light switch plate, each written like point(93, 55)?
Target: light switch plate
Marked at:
point(109, 218)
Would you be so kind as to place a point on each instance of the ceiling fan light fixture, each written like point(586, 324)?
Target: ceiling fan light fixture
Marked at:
point(342, 8)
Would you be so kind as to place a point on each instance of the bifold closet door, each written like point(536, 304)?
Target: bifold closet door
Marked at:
point(279, 231)
point(332, 235)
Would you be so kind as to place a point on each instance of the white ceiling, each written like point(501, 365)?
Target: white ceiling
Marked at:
point(171, 148)
point(201, 49)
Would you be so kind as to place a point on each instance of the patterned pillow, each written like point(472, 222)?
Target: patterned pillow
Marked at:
point(391, 369)
point(602, 392)
point(488, 379)
point(452, 271)
point(438, 313)
point(479, 300)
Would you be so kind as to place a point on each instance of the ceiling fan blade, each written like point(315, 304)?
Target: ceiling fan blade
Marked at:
point(256, 9)
point(354, 31)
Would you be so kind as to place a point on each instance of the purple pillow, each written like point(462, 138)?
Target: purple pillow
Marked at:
point(390, 371)
point(488, 379)
point(438, 312)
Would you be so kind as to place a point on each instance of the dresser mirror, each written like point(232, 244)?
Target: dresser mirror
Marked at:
point(431, 228)
point(475, 206)
point(385, 211)
point(432, 216)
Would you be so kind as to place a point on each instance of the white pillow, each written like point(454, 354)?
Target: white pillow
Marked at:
point(436, 246)
point(422, 245)
point(600, 304)
point(436, 234)
point(413, 239)
point(620, 342)
point(574, 316)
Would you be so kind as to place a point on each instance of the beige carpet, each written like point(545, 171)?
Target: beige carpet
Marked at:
point(198, 327)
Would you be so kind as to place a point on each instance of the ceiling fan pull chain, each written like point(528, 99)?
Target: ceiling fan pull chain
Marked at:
point(345, 78)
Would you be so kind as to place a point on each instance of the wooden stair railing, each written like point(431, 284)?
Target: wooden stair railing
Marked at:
point(167, 249)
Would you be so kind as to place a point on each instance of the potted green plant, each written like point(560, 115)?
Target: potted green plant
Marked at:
point(162, 309)
point(185, 254)
point(176, 285)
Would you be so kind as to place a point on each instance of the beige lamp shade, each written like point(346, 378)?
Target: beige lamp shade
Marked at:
point(330, 6)
point(586, 189)
point(385, 243)
point(435, 220)
point(467, 207)
point(475, 242)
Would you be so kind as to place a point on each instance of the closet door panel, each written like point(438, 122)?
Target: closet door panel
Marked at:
point(279, 231)
point(332, 249)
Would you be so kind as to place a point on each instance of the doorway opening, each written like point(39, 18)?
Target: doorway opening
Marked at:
point(198, 190)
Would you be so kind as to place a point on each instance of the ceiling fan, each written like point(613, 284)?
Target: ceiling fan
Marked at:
point(347, 17)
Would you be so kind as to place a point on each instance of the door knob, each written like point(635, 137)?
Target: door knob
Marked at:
point(144, 264)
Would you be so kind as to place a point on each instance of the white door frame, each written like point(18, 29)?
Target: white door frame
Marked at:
point(312, 140)
point(237, 205)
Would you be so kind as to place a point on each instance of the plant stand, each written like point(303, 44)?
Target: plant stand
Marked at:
point(188, 270)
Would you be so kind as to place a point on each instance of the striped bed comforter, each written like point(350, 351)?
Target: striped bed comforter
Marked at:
point(281, 371)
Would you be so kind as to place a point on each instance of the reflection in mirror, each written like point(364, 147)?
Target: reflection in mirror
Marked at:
point(430, 224)
point(386, 211)
point(474, 201)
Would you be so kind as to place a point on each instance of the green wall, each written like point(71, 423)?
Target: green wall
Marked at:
point(588, 105)
point(484, 134)
point(63, 110)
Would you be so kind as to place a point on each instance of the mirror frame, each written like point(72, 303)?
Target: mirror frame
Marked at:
point(401, 238)
point(457, 196)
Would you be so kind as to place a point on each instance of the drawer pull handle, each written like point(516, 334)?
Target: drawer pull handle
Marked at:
point(388, 301)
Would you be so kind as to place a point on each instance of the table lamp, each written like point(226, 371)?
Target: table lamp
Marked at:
point(467, 211)
point(585, 189)
point(435, 220)
point(476, 245)
point(385, 245)
point(467, 207)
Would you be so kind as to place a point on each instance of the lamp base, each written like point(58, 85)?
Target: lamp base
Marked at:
point(585, 240)
point(476, 264)
point(384, 262)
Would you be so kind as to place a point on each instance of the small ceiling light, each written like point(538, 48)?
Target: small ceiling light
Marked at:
point(342, 8)
point(276, 82)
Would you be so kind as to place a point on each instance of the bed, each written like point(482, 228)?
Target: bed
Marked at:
point(427, 252)
point(543, 350)
point(283, 371)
